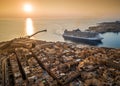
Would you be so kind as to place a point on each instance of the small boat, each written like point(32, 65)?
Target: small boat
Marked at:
point(79, 35)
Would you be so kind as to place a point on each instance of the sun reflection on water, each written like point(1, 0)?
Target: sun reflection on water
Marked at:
point(29, 26)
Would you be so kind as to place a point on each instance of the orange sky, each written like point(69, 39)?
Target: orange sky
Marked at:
point(61, 8)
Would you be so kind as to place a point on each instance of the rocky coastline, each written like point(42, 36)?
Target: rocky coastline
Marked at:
point(28, 62)
point(106, 27)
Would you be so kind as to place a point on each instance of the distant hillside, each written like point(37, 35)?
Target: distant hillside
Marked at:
point(106, 27)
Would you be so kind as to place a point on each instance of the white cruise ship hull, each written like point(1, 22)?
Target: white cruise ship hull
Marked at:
point(98, 38)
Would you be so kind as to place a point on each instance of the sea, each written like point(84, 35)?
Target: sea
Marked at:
point(11, 28)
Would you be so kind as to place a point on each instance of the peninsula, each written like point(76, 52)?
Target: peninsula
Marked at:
point(106, 27)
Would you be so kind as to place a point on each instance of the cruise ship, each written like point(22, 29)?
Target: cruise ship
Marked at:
point(79, 35)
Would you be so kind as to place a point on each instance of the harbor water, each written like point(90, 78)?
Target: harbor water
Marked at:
point(11, 28)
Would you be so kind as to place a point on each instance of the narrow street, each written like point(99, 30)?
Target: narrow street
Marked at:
point(3, 71)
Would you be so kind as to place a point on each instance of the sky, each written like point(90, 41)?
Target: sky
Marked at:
point(61, 8)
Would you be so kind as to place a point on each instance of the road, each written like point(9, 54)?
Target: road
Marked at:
point(3, 71)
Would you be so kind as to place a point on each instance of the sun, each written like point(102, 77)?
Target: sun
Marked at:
point(28, 8)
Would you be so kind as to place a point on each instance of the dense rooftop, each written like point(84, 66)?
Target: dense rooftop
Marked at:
point(30, 62)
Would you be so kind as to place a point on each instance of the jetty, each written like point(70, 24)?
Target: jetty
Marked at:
point(36, 33)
